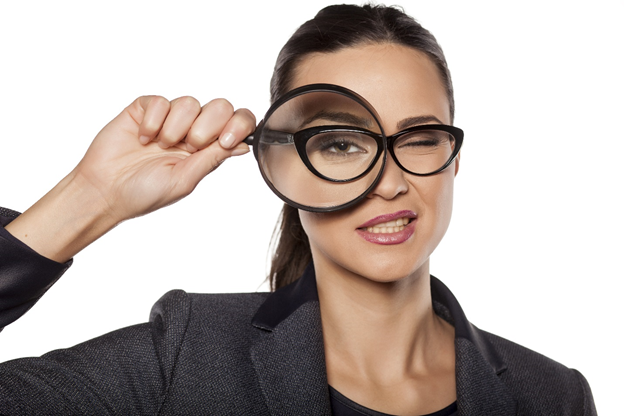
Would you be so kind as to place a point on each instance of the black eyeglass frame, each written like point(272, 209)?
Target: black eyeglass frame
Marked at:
point(301, 138)
point(456, 132)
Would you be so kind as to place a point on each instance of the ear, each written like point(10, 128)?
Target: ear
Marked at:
point(457, 163)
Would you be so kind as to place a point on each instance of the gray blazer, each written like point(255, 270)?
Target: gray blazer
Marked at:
point(253, 354)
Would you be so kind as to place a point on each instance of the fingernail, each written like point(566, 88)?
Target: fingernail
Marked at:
point(191, 149)
point(238, 152)
point(162, 145)
point(227, 140)
point(144, 140)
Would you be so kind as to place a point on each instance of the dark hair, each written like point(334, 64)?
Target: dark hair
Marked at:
point(332, 29)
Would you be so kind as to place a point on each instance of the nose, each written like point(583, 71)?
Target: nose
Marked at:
point(391, 183)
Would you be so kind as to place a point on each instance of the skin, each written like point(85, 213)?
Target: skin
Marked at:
point(385, 348)
point(151, 155)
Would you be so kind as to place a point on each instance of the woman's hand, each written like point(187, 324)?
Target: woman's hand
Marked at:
point(151, 155)
point(155, 152)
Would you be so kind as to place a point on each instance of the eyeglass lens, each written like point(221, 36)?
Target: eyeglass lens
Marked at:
point(424, 151)
point(340, 154)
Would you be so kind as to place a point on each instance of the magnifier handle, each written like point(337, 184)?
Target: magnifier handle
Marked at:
point(272, 137)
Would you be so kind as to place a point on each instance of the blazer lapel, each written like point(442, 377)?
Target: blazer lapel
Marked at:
point(479, 389)
point(289, 359)
point(288, 352)
point(477, 363)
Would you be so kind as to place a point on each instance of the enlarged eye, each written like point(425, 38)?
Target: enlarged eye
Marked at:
point(341, 154)
point(340, 144)
point(342, 147)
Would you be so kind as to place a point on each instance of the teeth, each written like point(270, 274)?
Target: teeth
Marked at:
point(389, 227)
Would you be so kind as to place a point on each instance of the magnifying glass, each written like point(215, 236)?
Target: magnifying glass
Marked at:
point(322, 148)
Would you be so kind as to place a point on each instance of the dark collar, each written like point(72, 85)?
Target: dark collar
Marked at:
point(286, 300)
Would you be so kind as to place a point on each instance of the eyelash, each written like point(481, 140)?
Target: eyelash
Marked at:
point(333, 143)
point(430, 142)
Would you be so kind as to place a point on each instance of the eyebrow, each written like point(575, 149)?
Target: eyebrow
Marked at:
point(338, 117)
point(416, 121)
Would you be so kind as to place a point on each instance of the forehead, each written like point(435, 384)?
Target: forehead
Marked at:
point(398, 81)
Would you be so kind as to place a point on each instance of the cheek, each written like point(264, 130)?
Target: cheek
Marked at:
point(329, 237)
point(437, 196)
point(320, 227)
point(333, 243)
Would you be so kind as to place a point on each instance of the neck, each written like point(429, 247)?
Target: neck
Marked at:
point(380, 332)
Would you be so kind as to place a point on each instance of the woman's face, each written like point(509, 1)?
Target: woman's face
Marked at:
point(404, 87)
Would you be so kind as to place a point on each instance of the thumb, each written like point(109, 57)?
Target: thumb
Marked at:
point(199, 164)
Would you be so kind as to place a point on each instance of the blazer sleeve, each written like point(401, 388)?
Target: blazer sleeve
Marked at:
point(125, 372)
point(25, 275)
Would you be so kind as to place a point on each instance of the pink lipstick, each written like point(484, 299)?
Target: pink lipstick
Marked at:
point(389, 229)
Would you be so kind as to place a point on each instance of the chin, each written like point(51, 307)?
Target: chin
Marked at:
point(386, 270)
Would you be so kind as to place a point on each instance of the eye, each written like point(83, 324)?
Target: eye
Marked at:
point(424, 142)
point(340, 154)
point(420, 141)
point(341, 146)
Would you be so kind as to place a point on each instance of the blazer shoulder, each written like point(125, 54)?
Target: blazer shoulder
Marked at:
point(177, 307)
point(540, 383)
point(230, 314)
point(202, 321)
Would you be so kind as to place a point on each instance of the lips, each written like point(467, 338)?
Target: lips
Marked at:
point(389, 229)
point(387, 218)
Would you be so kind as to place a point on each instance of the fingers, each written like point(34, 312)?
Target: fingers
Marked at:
point(183, 123)
point(218, 120)
point(154, 110)
point(241, 125)
point(210, 123)
point(182, 115)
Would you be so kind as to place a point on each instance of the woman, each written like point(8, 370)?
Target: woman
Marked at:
point(390, 338)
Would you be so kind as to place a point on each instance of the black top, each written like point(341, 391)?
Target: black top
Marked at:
point(343, 406)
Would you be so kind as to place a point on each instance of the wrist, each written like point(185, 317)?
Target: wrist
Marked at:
point(66, 220)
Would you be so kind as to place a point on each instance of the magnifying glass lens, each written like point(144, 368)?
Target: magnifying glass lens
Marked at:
point(320, 150)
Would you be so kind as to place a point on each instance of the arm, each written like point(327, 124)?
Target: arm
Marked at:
point(117, 373)
point(589, 407)
point(128, 371)
point(152, 154)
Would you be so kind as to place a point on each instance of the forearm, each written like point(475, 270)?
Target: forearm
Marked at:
point(66, 220)
point(36, 247)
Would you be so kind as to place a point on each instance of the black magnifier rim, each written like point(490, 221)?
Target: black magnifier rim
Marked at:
point(456, 132)
point(253, 140)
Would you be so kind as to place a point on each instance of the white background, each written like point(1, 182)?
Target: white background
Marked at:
point(535, 247)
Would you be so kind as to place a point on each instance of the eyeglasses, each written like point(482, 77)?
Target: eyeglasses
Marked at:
point(321, 148)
